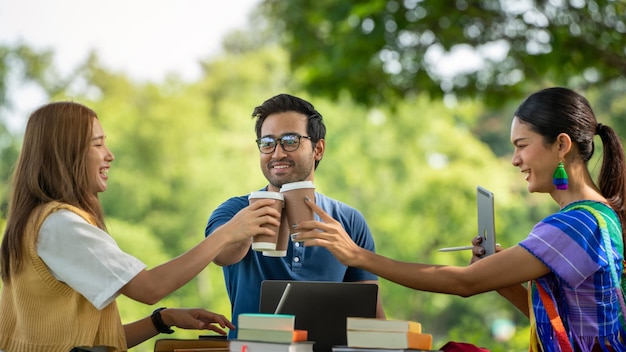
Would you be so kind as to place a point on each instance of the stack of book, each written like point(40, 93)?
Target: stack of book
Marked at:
point(371, 334)
point(269, 333)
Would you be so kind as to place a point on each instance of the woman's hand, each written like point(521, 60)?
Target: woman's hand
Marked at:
point(328, 234)
point(479, 251)
point(250, 221)
point(196, 318)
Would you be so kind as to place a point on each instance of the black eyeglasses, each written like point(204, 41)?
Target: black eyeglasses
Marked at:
point(289, 143)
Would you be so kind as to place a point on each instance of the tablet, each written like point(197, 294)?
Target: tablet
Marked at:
point(486, 220)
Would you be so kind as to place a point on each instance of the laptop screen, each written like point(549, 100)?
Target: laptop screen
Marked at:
point(320, 307)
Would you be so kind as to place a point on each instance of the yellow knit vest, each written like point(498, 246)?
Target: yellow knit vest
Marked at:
point(38, 313)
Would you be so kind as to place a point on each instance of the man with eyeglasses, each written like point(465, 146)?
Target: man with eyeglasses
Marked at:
point(290, 137)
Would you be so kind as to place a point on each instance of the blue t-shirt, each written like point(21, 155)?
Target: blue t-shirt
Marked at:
point(243, 279)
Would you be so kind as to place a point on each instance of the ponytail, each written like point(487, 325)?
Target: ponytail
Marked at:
point(612, 177)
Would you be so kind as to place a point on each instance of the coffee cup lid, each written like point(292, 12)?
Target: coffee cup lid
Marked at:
point(297, 185)
point(266, 194)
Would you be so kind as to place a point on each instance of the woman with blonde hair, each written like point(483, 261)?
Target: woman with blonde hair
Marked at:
point(62, 271)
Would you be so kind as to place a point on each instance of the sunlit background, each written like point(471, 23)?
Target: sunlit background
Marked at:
point(417, 97)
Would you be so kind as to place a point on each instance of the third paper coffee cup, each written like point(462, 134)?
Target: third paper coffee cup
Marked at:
point(295, 206)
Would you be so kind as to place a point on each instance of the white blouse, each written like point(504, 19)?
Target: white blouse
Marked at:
point(85, 257)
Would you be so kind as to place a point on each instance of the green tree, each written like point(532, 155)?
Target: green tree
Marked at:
point(20, 66)
point(183, 148)
point(383, 50)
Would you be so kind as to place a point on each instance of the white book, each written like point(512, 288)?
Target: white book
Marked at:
point(266, 321)
point(256, 346)
point(389, 339)
point(374, 324)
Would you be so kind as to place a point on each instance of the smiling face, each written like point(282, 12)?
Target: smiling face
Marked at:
point(99, 158)
point(282, 167)
point(534, 157)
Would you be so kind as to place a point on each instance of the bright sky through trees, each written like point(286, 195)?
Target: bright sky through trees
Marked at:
point(145, 38)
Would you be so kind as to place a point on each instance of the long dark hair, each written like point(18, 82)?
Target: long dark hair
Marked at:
point(552, 111)
point(51, 167)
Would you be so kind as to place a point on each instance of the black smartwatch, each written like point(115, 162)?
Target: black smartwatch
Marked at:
point(158, 322)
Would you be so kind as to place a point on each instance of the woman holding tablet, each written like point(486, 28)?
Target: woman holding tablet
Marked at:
point(572, 259)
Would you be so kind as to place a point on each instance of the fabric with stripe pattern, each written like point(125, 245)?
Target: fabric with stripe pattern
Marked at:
point(581, 285)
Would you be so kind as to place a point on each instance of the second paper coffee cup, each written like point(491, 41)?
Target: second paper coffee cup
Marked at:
point(263, 242)
point(295, 207)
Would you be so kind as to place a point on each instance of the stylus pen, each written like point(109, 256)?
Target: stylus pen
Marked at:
point(461, 248)
point(281, 302)
point(452, 249)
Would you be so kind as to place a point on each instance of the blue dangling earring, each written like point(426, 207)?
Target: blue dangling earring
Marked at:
point(560, 177)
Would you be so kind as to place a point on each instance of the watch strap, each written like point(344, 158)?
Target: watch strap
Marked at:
point(157, 320)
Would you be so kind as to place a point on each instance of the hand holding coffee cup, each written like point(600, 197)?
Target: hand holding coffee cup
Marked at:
point(266, 242)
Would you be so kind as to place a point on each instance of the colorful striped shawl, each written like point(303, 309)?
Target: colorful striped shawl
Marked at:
point(582, 245)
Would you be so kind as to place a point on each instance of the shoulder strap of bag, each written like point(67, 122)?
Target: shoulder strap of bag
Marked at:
point(555, 319)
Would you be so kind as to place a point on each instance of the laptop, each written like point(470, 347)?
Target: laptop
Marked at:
point(320, 307)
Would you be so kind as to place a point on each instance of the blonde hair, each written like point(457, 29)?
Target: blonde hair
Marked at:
point(51, 167)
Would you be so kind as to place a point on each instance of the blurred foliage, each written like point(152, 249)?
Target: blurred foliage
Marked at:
point(381, 51)
point(410, 166)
